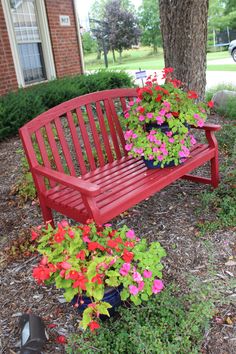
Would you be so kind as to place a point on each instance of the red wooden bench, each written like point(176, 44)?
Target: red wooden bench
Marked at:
point(79, 164)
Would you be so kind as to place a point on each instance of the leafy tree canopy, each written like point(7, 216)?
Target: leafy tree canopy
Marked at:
point(149, 20)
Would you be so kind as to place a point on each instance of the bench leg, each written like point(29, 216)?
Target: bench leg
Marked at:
point(47, 214)
point(215, 172)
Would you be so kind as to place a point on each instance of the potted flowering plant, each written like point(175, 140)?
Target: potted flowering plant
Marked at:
point(95, 263)
point(158, 121)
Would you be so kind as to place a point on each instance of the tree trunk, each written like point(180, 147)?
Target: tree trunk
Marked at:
point(120, 56)
point(184, 33)
point(99, 54)
point(113, 55)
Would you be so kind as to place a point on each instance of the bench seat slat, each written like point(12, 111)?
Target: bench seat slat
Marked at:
point(140, 184)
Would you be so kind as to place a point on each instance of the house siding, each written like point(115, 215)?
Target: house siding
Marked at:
point(64, 40)
point(8, 80)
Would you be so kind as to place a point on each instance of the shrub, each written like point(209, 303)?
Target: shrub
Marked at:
point(169, 323)
point(17, 108)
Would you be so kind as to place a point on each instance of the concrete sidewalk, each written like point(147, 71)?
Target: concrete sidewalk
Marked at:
point(213, 78)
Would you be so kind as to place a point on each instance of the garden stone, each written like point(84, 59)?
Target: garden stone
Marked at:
point(221, 98)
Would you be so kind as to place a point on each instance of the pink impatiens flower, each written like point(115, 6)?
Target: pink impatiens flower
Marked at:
point(133, 290)
point(130, 234)
point(124, 270)
point(147, 273)
point(141, 118)
point(137, 277)
point(128, 134)
point(126, 115)
point(128, 147)
point(200, 123)
point(149, 115)
point(141, 286)
point(157, 286)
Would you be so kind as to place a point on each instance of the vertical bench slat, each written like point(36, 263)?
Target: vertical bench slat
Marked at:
point(123, 104)
point(64, 146)
point(95, 135)
point(43, 152)
point(54, 147)
point(85, 139)
point(104, 132)
point(112, 130)
point(117, 125)
point(76, 142)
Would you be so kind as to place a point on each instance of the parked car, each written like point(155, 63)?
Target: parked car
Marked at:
point(232, 49)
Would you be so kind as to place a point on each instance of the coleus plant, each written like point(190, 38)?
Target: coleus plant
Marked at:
point(86, 259)
point(169, 105)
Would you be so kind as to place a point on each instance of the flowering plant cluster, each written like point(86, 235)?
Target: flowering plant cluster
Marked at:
point(165, 105)
point(85, 260)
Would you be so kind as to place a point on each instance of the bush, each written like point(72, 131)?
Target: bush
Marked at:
point(17, 108)
point(169, 323)
point(228, 110)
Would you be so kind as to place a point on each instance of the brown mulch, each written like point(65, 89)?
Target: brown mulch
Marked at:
point(169, 217)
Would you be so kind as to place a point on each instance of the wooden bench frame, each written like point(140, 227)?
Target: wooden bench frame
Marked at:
point(114, 182)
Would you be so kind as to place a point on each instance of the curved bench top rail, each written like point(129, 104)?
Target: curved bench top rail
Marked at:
point(74, 103)
point(79, 135)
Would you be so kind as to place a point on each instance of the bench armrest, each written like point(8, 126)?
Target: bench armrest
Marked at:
point(208, 127)
point(87, 188)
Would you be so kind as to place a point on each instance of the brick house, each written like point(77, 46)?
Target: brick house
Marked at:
point(39, 41)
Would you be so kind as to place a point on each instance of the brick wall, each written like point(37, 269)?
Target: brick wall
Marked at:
point(64, 38)
point(8, 80)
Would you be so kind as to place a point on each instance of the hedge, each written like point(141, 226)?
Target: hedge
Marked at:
point(17, 108)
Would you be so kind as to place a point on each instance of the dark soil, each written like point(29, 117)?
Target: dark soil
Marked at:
point(169, 217)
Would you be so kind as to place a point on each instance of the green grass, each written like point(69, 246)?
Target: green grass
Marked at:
point(144, 58)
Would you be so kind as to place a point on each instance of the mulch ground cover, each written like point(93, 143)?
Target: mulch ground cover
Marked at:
point(169, 217)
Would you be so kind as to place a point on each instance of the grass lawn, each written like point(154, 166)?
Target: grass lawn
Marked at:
point(144, 58)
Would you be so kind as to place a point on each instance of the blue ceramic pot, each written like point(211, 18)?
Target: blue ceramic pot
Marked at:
point(112, 296)
point(150, 164)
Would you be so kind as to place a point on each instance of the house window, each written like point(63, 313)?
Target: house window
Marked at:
point(28, 40)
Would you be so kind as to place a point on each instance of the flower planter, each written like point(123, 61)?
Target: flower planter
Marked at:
point(112, 296)
point(150, 164)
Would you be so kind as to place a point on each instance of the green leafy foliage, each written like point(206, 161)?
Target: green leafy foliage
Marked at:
point(168, 323)
point(221, 203)
point(17, 108)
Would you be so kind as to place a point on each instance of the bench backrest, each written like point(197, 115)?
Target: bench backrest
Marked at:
point(79, 135)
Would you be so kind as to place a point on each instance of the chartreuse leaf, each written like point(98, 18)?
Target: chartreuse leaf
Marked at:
point(86, 317)
point(113, 281)
point(63, 283)
point(136, 300)
point(124, 294)
point(103, 307)
point(144, 297)
point(70, 293)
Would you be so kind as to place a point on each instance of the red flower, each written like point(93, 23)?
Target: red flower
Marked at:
point(73, 274)
point(93, 325)
point(95, 245)
point(34, 235)
point(166, 92)
point(41, 273)
point(129, 244)
point(192, 95)
point(80, 282)
point(86, 230)
point(98, 278)
point(127, 256)
point(61, 339)
point(81, 255)
point(112, 233)
point(159, 97)
point(210, 104)
point(175, 114)
point(59, 237)
point(112, 243)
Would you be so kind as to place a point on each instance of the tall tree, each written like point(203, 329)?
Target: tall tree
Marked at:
point(184, 33)
point(123, 26)
point(149, 20)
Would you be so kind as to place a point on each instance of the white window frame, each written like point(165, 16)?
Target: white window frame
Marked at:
point(46, 42)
